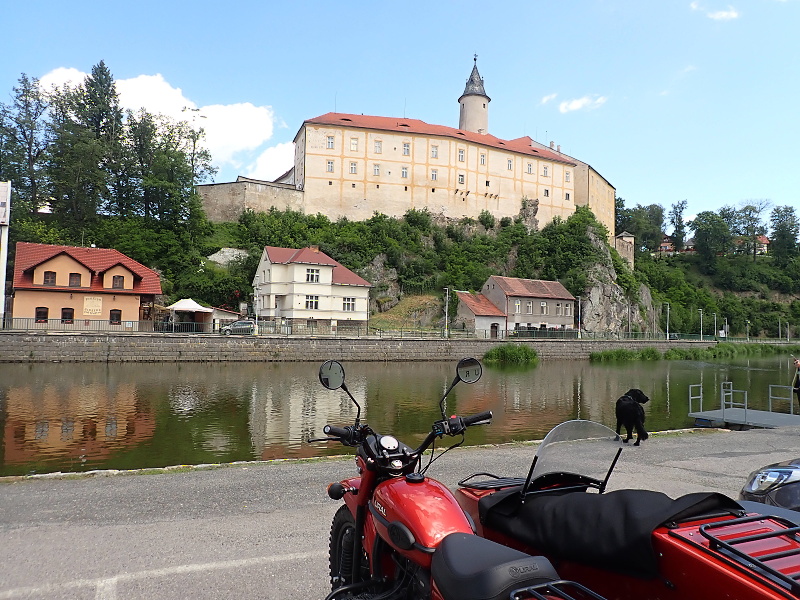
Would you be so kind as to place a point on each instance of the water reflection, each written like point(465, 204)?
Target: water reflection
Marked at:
point(73, 417)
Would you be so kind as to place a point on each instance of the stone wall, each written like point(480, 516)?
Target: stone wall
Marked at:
point(57, 347)
point(225, 202)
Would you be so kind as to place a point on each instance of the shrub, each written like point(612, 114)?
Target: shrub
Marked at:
point(512, 354)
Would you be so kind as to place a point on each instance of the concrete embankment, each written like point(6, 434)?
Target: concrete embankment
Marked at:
point(117, 348)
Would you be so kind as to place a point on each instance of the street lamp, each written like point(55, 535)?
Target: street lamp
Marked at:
point(715, 326)
point(726, 328)
point(446, 307)
point(579, 317)
point(667, 303)
point(256, 300)
point(700, 310)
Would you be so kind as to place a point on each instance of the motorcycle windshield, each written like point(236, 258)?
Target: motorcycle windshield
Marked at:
point(577, 447)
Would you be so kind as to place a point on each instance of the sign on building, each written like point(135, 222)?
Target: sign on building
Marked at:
point(92, 306)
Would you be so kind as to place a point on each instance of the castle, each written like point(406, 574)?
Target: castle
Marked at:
point(353, 166)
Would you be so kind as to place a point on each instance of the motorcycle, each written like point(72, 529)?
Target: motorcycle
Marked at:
point(633, 544)
point(401, 535)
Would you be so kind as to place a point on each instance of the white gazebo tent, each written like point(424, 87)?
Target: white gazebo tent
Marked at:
point(200, 315)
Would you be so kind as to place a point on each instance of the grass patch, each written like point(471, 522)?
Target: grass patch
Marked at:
point(512, 354)
point(728, 350)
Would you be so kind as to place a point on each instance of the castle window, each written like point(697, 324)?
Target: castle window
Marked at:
point(330, 142)
point(378, 146)
point(353, 168)
point(49, 278)
point(74, 280)
point(544, 171)
point(510, 164)
point(461, 178)
point(567, 196)
point(530, 168)
point(483, 159)
point(404, 172)
point(376, 169)
point(406, 149)
point(434, 151)
point(487, 183)
point(354, 144)
point(329, 166)
point(566, 176)
point(460, 155)
point(434, 174)
point(547, 193)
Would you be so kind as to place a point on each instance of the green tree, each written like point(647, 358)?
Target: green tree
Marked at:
point(751, 225)
point(646, 223)
point(712, 236)
point(785, 230)
point(678, 224)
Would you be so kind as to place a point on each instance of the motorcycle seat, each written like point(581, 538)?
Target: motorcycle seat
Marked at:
point(468, 567)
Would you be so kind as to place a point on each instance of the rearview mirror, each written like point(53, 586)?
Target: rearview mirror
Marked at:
point(469, 370)
point(331, 375)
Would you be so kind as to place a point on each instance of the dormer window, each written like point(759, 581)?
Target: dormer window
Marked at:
point(74, 280)
point(118, 282)
point(49, 278)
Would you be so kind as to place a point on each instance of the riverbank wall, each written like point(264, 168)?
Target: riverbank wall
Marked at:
point(26, 347)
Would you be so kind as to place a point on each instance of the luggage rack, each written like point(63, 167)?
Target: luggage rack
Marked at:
point(566, 590)
point(493, 483)
point(757, 562)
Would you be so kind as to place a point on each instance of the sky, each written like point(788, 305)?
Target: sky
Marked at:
point(668, 100)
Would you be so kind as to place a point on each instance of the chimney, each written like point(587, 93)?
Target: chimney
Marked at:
point(552, 145)
point(558, 148)
point(314, 248)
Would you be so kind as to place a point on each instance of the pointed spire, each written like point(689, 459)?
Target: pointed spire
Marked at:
point(475, 82)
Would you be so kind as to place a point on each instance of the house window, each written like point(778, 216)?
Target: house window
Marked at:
point(529, 307)
point(568, 309)
point(42, 313)
point(376, 169)
point(517, 306)
point(349, 305)
point(329, 166)
point(404, 172)
point(74, 280)
point(543, 309)
point(354, 144)
point(434, 174)
point(378, 146)
point(353, 168)
point(510, 164)
point(461, 178)
point(566, 196)
point(558, 309)
point(544, 170)
point(67, 315)
point(406, 149)
point(115, 316)
point(312, 275)
point(461, 155)
point(547, 193)
point(483, 159)
point(434, 151)
point(312, 302)
point(49, 278)
point(330, 142)
point(118, 282)
point(530, 168)
point(566, 176)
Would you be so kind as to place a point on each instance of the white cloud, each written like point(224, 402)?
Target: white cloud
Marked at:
point(587, 102)
point(235, 133)
point(272, 162)
point(717, 15)
point(548, 98)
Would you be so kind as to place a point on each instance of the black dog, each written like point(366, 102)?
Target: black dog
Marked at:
point(630, 414)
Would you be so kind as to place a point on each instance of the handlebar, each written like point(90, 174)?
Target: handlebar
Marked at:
point(334, 431)
point(472, 420)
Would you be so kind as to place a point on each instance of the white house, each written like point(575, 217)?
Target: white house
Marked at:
point(307, 287)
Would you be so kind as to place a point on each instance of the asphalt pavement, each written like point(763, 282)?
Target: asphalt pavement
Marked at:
point(260, 530)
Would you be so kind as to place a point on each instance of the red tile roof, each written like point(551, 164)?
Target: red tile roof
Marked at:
point(533, 288)
point(313, 256)
point(97, 260)
point(480, 305)
point(414, 126)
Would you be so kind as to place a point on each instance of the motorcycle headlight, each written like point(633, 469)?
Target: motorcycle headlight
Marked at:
point(765, 480)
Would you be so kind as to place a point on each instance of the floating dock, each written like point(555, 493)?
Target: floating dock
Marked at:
point(735, 413)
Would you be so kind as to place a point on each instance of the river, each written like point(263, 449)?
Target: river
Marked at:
point(77, 417)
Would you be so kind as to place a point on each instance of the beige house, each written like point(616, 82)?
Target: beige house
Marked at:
point(307, 287)
point(66, 287)
point(355, 165)
point(510, 304)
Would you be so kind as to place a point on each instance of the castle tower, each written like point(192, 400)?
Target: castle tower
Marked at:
point(474, 112)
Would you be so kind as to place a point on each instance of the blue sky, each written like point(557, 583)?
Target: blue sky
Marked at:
point(668, 100)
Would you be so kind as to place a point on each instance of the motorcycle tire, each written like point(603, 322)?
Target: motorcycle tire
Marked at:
point(340, 552)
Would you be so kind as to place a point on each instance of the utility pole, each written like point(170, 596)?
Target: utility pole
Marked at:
point(446, 309)
point(5, 217)
point(716, 332)
point(701, 323)
point(579, 317)
point(667, 303)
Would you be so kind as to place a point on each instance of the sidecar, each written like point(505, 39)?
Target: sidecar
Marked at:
point(776, 484)
point(634, 544)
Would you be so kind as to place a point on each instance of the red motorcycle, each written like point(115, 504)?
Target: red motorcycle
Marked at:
point(634, 544)
point(401, 535)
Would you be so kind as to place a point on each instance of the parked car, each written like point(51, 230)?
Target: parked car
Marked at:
point(777, 485)
point(245, 326)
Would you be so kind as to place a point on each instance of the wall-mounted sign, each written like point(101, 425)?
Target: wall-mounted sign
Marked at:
point(93, 305)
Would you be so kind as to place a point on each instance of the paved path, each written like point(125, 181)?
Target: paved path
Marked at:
point(260, 530)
